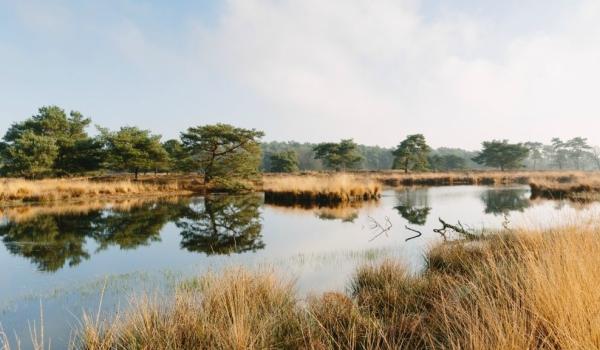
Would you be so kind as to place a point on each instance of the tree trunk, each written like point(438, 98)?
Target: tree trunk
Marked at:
point(136, 173)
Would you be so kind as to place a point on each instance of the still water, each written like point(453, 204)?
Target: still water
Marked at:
point(62, 257)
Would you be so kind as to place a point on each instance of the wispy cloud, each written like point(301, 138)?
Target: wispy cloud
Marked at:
point(314, 70)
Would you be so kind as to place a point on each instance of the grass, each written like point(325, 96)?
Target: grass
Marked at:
point(395, 178)
point(583, 187)
point(50, 190)
point(523, 290)
point(321, 189)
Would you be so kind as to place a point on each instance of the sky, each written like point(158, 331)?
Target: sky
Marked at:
point(459, 72)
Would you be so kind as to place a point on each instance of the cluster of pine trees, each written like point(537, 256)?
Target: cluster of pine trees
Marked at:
point(52, 143)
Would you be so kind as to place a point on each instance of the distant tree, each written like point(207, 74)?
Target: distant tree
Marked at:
point(375, 157)
point(560, 153)
point(447, 162)
point(338, 156)
point(223, 152)
point(284, 162)
point(535, 152)
point(29, 155)
point(577, 149)
point(411, 154)
point(595, 156)
point(134, 150)
point(502, 154)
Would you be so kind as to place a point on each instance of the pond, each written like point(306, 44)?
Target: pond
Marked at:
point(61, 258)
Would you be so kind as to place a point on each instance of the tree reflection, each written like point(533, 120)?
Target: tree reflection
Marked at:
point(413, 206)
point(504, 201)
point(222, 225)
point(50, 241)
point(137, 227)
point(216, 225)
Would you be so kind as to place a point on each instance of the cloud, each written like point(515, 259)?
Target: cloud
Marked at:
point(459, 72)
point(379, 70)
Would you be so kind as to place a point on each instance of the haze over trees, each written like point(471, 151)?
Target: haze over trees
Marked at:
point(503, 155)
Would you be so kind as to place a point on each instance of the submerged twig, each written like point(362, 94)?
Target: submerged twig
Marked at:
point(419, 234)
point(375, 225)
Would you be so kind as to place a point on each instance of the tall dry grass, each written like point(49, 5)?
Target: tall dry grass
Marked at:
point(324, 189)
point(395, 178)
point(66, 189)
point(520, 290)
point(582, 187)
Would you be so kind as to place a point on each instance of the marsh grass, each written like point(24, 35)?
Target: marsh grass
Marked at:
point(509, 291)
point(395, 178)
point(521, 290)
point(577, 188)
point(68, 189)
point(321, 189)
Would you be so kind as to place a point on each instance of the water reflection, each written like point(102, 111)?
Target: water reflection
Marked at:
point(504, 201)
point(221, 225)
point(344, 212)
point(52, 238)
point(413, 205)
point(50, 241)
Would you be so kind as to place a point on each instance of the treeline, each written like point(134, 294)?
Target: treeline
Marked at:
point(54, 143)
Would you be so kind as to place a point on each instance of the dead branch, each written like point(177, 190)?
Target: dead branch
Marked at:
point(374, 225)
point(419, 234)
point(456, 228)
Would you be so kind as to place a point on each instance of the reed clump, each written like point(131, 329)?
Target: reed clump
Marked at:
point(579, 188)
point(523, 290)
point(395, 178)
point(49, 190)
point(320, 189)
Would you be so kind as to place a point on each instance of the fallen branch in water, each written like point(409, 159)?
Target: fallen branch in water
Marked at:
point(458, 229)
point(419, 234)
point(375, 225)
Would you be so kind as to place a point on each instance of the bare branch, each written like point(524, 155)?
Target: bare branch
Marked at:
point(419, 234)
point(458, 229)
point(374, 225)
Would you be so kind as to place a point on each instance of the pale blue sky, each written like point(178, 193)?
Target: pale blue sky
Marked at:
point(458, 71)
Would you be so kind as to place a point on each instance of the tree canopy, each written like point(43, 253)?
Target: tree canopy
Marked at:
point(411, 154)
point(224, 154)
point(132, 149)
point(284, 162)
point(338, 156)
point(503, 155)
point(50, 142)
